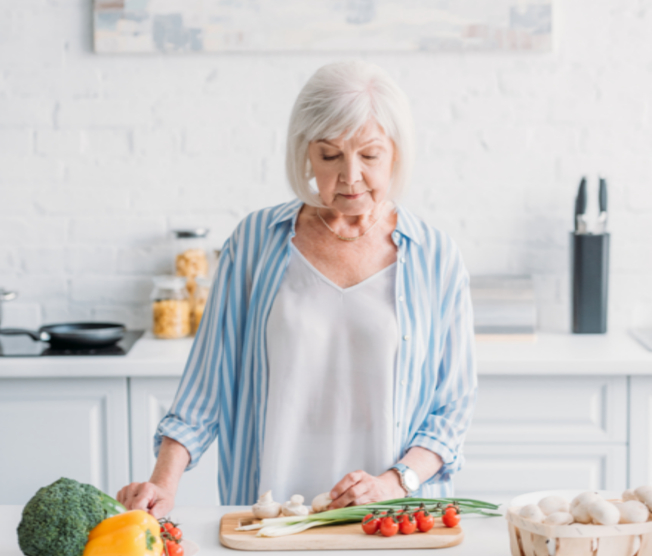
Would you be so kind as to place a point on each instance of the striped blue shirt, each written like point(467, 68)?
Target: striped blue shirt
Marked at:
point(223, 391)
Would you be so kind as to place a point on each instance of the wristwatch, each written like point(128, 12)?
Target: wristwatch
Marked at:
point(408, 477)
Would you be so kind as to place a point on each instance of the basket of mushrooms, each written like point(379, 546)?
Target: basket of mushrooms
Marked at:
point(587, 524)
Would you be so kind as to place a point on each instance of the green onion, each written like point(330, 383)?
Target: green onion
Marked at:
point(290, 525)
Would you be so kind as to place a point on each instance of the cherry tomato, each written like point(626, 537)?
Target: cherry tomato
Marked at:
point(372, 526)
point(173, 548)
point(425, 522)
point(451, 519)
point(388, 527)
point(175, 532)
point(407, 525)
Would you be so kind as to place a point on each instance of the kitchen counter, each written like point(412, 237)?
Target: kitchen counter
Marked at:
point(616, 353)
point(483, 536)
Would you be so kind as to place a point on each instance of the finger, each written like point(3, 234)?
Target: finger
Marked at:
point(161, 509)
point(354, 494)
point(143, 497)
point(346, 483)
point(127, 495)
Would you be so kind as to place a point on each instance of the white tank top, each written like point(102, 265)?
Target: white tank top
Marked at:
point(331, 357)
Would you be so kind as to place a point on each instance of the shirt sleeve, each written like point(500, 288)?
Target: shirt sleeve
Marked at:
point(193, 417)
point(443, 430)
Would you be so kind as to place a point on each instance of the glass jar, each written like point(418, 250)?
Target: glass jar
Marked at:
point(199, 302)
point(191, 259)
point(170, 307)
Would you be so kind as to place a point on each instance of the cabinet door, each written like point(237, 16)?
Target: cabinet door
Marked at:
point(555, 409)
point(499, 472)
point(52, 428)
point(150, 399)
point(640, 435)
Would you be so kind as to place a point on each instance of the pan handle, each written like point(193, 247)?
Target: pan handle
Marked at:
point(34, 335)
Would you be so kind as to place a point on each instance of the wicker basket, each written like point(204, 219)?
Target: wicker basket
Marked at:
point(527, 538)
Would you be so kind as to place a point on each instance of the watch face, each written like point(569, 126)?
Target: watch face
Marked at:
point(411, 479)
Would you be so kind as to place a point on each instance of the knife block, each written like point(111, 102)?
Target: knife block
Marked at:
point(589, 282)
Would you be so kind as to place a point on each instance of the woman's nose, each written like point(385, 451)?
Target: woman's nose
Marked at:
point(350, 171)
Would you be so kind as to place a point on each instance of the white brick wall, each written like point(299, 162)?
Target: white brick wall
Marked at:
point(101, 155)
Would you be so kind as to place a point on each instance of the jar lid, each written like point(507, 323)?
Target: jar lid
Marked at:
point(191, 233)
point(170, 282)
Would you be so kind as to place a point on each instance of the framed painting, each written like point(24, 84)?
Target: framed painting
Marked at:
point(175, 26)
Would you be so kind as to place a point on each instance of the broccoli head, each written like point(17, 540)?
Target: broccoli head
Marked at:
point(59, 517)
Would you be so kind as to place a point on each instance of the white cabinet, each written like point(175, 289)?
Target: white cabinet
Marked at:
point(556, 409)
point(640, 423)
point(50, 428)
point(499, 472)
point(532, 433)
point(150, 399)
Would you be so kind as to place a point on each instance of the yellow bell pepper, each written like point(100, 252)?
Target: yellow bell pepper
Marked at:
point(134, 533)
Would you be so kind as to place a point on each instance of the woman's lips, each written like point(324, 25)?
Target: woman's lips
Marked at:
point(352, 197)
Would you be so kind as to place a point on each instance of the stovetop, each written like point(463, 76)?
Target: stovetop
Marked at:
point(24, 346)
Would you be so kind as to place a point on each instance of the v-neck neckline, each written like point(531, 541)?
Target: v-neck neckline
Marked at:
point(329, 281)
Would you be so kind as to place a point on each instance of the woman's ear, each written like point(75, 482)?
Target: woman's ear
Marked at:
point(309, 173)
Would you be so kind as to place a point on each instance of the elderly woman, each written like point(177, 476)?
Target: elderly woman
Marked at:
point(336, 352)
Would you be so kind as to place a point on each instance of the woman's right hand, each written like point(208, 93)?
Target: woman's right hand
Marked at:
point(150, 497)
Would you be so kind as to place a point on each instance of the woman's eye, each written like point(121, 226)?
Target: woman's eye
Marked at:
point(369, 156)
point(330, 157)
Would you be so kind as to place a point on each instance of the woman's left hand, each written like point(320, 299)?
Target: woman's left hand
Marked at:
point(361, 488)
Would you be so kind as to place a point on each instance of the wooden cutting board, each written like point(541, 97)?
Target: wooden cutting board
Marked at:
point(335, 537)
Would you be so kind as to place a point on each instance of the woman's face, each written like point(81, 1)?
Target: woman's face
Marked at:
point(353, 175)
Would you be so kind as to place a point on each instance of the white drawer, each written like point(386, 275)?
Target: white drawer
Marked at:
point(500, 472)
point(554, 409)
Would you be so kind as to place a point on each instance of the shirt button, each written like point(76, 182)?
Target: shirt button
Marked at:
point(398, 424)
point(396, 236)
point(401, 298)
point(403, 382)
point(406, 337)
point(402, 259)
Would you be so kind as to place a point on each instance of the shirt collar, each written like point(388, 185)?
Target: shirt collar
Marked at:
point(407, 224)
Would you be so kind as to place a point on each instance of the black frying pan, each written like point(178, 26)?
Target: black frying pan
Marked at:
point(73, 334)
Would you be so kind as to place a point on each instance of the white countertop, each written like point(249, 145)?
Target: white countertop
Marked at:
point(616, 353)
point(484, 536)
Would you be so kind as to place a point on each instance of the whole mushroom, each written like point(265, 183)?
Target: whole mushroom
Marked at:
point(644, 494)
point(552, 504)
point(603, 512)
point(579, 506)
point(294, 506)
point(633, 511)
point(558, 518)
point(266, 507)
point(321, 502)
point(629, 495)
point(533, 513)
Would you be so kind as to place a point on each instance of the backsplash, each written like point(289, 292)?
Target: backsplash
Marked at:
point(101, 155)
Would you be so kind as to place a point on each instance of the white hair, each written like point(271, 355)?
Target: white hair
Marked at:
point(342, 97)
